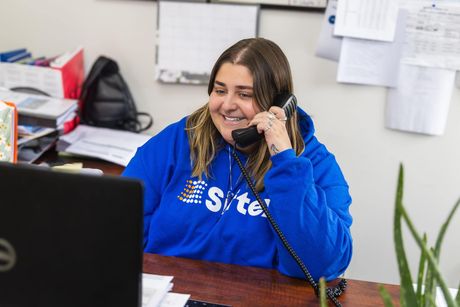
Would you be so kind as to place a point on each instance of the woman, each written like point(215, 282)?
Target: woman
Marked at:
point(197, 203)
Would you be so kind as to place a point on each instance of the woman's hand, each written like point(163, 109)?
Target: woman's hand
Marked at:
point(273, 125)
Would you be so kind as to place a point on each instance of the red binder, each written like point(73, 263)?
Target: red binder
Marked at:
point(72, 71)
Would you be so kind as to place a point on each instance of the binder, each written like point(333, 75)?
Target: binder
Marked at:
point(62, 79)
point(8, 132)
point(5, 56)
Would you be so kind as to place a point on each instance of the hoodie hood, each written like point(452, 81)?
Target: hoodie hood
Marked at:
point(306, 126)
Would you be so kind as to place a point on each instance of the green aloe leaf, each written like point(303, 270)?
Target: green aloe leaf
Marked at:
point(322, 292)
point(430, 257)
point(408, 297)
point(385, 296)
point(443, 229)
point(457, 299)
point(430, 300)
point(430, 284)
point(421, 273)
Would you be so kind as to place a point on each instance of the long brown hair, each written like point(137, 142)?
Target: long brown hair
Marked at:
point(272, 75)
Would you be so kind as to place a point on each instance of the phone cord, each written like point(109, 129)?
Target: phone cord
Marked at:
point(332, 293)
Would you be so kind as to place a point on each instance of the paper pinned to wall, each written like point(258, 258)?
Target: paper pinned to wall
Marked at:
point(329, 45)
point(193, 35)
point(367, 19)
point(372, 62)
point(292, 3)
point(432, 34)
point(420, 103)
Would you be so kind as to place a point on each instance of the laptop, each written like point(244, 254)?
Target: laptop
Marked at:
point(69, 239)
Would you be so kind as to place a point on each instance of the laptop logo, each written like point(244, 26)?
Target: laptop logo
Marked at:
point(7, 256)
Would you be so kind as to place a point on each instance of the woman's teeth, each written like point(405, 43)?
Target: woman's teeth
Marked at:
point(233, 119)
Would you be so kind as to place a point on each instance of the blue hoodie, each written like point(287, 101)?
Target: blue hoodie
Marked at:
point(218, 218)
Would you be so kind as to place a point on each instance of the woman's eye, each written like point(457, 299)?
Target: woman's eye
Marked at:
point(219, 91)
point(246, 95)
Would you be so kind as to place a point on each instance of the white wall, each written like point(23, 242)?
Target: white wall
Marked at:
point(349, 118)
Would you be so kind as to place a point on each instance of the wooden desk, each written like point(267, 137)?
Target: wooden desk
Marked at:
point(52, 157)
point(248, 286)
point(233, 284)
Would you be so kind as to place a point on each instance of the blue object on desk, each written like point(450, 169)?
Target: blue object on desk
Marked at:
point(4, 56)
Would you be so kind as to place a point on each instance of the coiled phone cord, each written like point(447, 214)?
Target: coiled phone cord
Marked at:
point(332, 293)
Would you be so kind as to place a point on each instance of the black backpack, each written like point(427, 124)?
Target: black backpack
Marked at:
point(106, 101)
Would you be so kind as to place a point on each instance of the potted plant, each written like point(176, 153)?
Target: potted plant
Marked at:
point(429, 276)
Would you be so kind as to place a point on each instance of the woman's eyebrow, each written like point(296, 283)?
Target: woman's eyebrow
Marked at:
point(242, 87)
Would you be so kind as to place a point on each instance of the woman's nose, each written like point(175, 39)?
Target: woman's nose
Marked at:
point(230, 102)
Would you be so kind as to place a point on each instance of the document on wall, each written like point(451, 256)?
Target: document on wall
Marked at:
point(193, 35)
point(372, 62)
point(115, 146)
point(432, 34)
point(420, 103)
point(329, 45)
point(298, 3)
point(367, 19)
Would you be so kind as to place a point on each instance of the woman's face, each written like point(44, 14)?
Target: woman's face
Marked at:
point(231, 103)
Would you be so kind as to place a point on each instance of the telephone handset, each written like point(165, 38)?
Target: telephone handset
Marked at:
point(247, 136)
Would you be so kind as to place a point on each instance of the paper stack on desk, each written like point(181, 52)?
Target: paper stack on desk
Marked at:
point(155, 292)
point(43, 111)
point(115, 146)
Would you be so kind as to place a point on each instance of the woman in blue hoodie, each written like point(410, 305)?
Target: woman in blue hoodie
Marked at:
point(197, 202)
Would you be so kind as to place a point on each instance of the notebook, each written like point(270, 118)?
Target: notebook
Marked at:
point(69, 239)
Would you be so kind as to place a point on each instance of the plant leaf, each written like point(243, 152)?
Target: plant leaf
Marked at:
point(322, 292)
point(430, 300)
point(457, 299)
point(407, 297)
point(421, 273)
point(443, 229)
point(430, 257)
point(385, 296)
point(430, 283)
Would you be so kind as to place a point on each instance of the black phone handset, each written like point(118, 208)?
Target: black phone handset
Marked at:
point(247, 136)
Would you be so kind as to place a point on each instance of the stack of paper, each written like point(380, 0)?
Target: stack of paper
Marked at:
point(43, 111)
point(115, 146)
point(155, 292)
point(406, 46)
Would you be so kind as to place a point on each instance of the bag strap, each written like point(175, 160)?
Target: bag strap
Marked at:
point(148, 125)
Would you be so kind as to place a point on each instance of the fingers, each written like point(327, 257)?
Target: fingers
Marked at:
point(278, 113)
point(273, 125)
point(266, 121)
